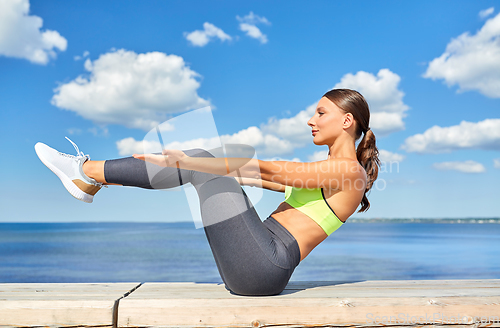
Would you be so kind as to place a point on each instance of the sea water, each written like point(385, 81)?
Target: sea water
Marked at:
point(177, 252)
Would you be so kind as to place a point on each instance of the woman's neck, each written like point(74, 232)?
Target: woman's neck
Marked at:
point(343, 148)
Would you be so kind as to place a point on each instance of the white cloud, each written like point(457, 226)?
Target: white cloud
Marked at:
point(264, 144)
point(96, 131)
point(201, 38)
point(248, 24)
point(134, 90)
point(21, 35)
point(466, 166)
point(387, 108)
point(486, 12)
point(467, 135)
point(496, 163)
point(294, 129)
point(471, 61)
point(129, 146)
point(254, 32)
point(253, 19)
point(277, 158)
point(276, 137)
point(72, 131)
point(99, 131)
point(85, 54)
point(387, 156)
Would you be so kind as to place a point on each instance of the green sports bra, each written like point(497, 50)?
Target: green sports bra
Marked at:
point(312, 203)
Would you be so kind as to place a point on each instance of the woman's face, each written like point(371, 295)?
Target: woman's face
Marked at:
point(327, 122)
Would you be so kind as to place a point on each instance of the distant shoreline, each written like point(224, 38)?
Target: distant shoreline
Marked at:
point(351, 220)
point(423, 220)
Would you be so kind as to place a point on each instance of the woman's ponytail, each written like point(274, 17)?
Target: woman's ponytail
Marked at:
point(367, 154)
point(351, 101)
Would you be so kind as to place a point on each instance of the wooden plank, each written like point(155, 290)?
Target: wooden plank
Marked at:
point(64, 291)
point(45, 304)
point(309, 303)
point(396, 303)
point(377, 289)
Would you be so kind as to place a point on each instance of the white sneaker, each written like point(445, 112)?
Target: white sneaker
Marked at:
point(68, 168)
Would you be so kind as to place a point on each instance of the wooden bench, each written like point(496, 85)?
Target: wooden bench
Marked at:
point(467, 303)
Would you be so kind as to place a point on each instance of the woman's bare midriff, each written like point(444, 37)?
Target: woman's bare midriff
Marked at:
point(307, 232)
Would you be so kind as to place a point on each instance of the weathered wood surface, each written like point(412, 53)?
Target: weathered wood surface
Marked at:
point(46, 304)
point(418, 303)
point(365, 303)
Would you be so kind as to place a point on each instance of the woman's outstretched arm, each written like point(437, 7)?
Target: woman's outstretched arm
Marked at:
point(339, 173)
point(261, 184)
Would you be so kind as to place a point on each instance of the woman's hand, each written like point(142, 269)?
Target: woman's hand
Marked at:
point(169, 157)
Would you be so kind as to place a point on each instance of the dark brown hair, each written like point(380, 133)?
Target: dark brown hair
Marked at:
point(351, 101)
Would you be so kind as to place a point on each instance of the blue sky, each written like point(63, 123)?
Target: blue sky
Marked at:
point(104, 73)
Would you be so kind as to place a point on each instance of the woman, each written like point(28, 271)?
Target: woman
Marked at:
point(253, 257)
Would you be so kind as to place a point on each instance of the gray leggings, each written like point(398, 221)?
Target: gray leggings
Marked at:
point(253, 257)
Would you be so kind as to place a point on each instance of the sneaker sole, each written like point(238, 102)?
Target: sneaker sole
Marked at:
point(67, 182)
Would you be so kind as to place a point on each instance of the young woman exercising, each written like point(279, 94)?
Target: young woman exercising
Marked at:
point(253, 257)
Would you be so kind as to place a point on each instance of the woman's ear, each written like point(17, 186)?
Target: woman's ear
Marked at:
point(348, 120)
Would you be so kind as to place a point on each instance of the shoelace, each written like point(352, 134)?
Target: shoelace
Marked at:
point(78, 152)
point(81, 154)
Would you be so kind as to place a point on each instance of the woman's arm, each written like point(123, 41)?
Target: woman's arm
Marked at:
point(261, 184)
point(339, 173)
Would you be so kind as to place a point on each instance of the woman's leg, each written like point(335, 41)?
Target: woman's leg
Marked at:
point(95, 170)
point(253, 258)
